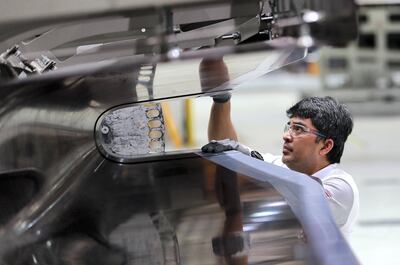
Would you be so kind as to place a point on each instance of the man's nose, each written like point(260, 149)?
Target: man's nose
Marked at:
point(287, 136)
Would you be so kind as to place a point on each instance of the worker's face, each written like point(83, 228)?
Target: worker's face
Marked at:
point(301, 150)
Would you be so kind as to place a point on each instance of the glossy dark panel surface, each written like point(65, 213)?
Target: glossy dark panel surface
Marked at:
point(144, 212)
point(64, 201)
point(74, 205)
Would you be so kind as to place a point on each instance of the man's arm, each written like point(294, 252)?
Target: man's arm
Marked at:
point(220, 125)
point(213, 73)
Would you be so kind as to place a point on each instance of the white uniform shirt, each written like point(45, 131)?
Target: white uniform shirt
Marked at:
point(340, 191)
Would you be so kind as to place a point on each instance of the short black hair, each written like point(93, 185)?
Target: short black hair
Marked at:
point(330, 117)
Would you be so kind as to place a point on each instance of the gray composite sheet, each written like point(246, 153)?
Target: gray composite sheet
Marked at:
point(305, 196)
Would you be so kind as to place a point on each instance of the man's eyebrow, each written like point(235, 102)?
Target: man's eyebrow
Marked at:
point(299, 122)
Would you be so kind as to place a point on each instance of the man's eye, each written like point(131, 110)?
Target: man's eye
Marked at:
point(298, 128)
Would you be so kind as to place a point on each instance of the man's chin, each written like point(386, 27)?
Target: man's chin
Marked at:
point(286, 160)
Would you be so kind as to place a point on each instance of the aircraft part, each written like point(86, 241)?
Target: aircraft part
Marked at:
point(83, 183)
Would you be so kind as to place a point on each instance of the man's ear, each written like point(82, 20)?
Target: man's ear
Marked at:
point(327, 147)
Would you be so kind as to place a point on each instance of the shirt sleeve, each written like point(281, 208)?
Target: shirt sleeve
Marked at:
point(340, 198)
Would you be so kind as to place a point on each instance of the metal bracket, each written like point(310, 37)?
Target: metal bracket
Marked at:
point(19, 66)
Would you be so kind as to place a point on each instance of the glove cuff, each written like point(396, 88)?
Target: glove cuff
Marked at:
point(257, 155)
point(236, 244)
point(222, 98)
point(243, 149)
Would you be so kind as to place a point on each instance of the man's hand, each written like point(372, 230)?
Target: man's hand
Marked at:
point(228, 144)
point(221, 146)
point(213, 73)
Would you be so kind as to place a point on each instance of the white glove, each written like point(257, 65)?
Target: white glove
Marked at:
point(228, 144)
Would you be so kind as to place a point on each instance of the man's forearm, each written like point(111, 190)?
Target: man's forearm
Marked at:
point(213, 73)
point(220, 125)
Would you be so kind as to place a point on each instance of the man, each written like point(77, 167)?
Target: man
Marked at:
point(313, 143)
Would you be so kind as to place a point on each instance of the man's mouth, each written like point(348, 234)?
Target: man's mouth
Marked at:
point(286, 149)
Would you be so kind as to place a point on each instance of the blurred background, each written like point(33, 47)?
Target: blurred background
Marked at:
point(365, 75)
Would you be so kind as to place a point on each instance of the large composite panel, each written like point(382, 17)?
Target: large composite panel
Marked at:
point(67, 199)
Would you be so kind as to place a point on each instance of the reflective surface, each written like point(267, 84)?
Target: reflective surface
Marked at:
point(165, 31)
point(67, 204)
point(170, 78)
point(64, 202)
point(150, 213)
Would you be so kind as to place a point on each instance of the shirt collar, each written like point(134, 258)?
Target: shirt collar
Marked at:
point(322, 173)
